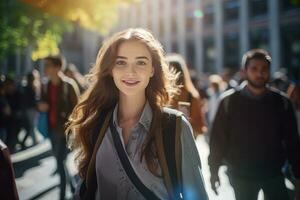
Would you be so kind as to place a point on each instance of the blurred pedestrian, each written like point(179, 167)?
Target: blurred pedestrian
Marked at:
point(8, 188)
point(15, 119)
point(227, 78)
point(131, 84)
point(293, 93)
point(253, 134)
point(4, 114)
point(215, 89)
point(72, 72)
point(188, 100)
point(29, 100)
point(280, 80)
point(58, 98)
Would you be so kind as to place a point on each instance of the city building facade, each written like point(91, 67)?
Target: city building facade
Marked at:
point(214, 34)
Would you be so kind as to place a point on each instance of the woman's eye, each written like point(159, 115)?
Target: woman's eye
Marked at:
point(140, 62)
point(120, 62)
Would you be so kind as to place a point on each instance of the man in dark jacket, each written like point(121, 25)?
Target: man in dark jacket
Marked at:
point(59, 96)
point(253, 134)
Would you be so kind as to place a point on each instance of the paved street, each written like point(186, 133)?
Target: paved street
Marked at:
point(33, 175)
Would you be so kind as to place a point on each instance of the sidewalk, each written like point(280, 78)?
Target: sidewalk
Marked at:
point(33, 169)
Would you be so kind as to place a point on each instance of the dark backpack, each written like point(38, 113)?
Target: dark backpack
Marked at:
point(168, 148)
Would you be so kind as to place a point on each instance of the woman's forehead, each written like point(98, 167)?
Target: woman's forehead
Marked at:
point(133, 48)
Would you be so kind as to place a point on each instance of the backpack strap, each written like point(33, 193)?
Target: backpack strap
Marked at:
point(136, 181)
point(178, 152)
point(168, 146)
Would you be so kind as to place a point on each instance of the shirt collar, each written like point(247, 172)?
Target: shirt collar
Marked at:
point(248, 93)
point(145, 119)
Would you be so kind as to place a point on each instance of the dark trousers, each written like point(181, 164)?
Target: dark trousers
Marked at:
point(245, 189)
point(60, 153)
point(29, 124)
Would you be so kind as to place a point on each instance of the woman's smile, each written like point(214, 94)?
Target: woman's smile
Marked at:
point(130, 83)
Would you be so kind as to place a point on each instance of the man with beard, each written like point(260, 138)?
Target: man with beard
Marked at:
point(253, 134)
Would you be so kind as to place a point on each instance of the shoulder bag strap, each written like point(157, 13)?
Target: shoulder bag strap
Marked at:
point(148, 194)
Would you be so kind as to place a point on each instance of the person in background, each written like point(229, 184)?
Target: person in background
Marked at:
point(188, 100)
point(15, 119)
point(254, 132)
point(215, 89)
point(8, 189)
point(227, 78)
point(4, 114)
point(29, 100)
point(72, 72)
point(58, 98)
point(293, 93)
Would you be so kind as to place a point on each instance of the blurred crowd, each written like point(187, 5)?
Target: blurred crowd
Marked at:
point(18, 107)
point(199, 99)
point(19, 97)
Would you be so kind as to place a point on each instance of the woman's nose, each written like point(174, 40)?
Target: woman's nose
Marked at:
point(131, 68)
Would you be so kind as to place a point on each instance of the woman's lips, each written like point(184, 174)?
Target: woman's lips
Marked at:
point(130, 82)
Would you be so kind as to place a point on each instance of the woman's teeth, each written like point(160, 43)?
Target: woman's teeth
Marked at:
point(130, 82)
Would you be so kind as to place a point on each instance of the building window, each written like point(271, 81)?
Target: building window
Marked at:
point(231, 53)
point(208, 19)
point(189, 23)
point(258, 8)
point(288, 5)
point(209, 55)
point(259, 38)
point(190, 56)
point(291, 51)
point(231, 10)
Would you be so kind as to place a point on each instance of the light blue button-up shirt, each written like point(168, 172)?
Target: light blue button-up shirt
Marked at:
point(112, 179)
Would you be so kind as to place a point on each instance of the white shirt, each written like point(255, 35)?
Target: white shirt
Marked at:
point(112, 179)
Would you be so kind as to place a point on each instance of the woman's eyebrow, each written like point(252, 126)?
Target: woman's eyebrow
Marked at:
point(142, 57)
point(121, 57)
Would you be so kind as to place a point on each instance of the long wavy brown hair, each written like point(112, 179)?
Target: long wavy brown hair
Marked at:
point(102, 94)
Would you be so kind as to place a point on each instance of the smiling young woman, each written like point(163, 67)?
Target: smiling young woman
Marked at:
point(131, 86)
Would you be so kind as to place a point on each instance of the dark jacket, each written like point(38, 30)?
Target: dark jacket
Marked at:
point(67, 95)
point(254, 136)
point(28, 97)
point(8, 188)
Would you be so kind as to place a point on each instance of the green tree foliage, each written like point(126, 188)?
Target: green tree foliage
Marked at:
point(41, 23)
point(22, 25)
point(99, 15)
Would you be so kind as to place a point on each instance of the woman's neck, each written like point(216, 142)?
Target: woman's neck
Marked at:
point(130, 108)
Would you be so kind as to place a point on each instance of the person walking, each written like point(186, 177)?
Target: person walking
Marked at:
point(58, 98)
point(253, 134)
point(188, 100)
